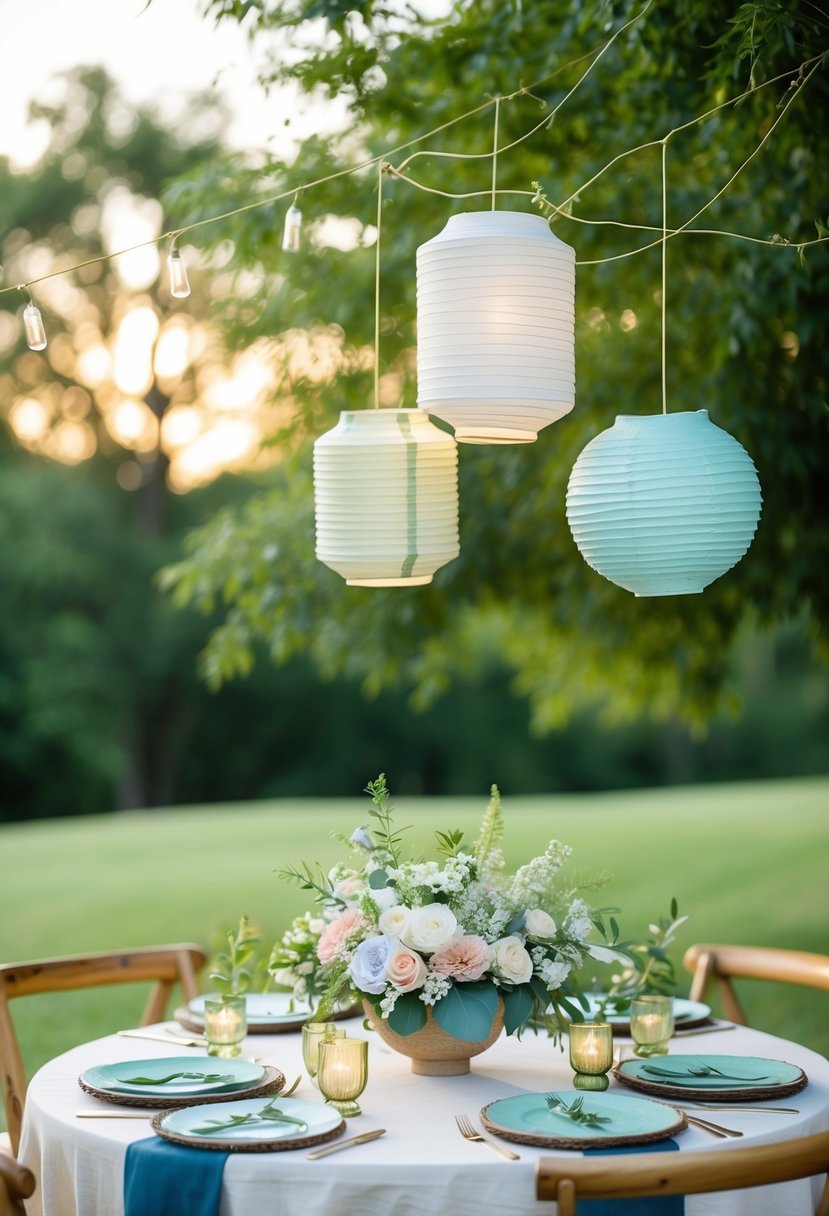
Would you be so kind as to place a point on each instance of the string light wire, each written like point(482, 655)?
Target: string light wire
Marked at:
point(379, 159)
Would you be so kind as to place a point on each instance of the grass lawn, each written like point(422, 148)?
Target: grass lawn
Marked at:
point(747, 862)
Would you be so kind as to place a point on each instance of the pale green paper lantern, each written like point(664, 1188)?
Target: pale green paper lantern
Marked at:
point(663, 504)
point(386, 498)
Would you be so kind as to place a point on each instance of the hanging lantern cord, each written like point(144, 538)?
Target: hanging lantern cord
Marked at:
point(382, 168)
point(495, 149)
point(664, 271)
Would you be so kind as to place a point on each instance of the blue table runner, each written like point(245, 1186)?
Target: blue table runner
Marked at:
point(656, 1205)
point(165, 1179)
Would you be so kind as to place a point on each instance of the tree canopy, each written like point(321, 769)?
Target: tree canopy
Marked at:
point(744, 334)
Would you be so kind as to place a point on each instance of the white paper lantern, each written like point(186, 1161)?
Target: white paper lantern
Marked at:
point(496, 326)
point(663, 504)
point(386, 496)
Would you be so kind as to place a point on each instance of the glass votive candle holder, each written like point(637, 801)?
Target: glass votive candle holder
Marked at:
point(591, 1054)
point(342, 1073)
point(225, 1024)
point(314, 1033)
point(651, 1024)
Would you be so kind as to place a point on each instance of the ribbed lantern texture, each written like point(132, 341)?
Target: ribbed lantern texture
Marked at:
point(386, 496)
point(663, 504)
point(495, 326)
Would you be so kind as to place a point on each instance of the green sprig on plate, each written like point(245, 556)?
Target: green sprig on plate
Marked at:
point(697, 1070)
point(177, 1076)
point(575, 1111)
point(268, 1114)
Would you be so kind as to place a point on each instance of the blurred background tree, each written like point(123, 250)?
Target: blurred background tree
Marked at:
point(121, 437)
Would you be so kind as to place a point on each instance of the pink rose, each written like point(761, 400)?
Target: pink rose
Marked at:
point(406, 971)
point(333, 937)
point(466, 959)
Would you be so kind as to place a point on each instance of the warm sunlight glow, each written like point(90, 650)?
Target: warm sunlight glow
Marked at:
point(29, 419)
point(133, 371)
point(72, 442)
point(172, 350)
point(251, 375)
point(94, 365)
point(127, 220)
point(180, 426)
point(231, 443)
point(133, 425)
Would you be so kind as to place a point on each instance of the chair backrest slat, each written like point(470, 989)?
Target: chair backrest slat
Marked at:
point(719, 965)
point(163, 966)
point(642, 1175)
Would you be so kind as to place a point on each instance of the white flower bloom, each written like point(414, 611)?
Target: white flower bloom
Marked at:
point(349, 889)
point(554, 973)
point(368, 966)
point(539, 923)
point(284, 977)
point(511, 961)
point(430, 928)
point(394, 920)
point(385, 898)
point(577, 923)
point(362, 838)
point(316, 925)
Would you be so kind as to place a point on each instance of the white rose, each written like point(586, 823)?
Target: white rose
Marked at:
point(430, 928)
point(539, 923)
point(394, 920)
point(349, 889)
point(367, 968)
point(385, 898)
point(512, 962)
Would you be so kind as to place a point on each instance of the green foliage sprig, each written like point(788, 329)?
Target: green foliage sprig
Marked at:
point(575, 1111)
point(388, 838)
point(652, 970)
point(231, 968)
point(491, 833)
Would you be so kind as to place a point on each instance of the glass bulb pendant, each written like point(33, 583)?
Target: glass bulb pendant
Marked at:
point(292, 233)
point(33, 327)
point(179, 283)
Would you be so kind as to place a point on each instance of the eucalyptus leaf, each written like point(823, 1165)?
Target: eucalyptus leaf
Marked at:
point(408, 1015)
point(378, 879)
point(518, 1005)
point(467, 1011)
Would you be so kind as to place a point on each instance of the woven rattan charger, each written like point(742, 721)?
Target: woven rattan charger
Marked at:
point(688, 1092)
point(271, 1083)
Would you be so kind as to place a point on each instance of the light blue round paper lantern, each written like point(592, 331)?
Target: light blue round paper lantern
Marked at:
point(663, 504)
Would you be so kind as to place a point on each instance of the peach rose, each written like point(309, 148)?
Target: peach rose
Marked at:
point(466, 959)
point(334, 935)
point(406, 971)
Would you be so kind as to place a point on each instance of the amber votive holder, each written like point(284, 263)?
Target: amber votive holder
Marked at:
point(591, 1054)
point(342, 1073)
point(651, 1024)
point(225, 1024)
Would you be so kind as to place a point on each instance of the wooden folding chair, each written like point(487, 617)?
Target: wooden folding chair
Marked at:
point(648, 1174)
point(16, 1184)
point(720, 964)
point(163, 965)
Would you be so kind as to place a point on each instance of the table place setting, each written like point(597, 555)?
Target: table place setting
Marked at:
point(177, 1081)
point(724, 1078)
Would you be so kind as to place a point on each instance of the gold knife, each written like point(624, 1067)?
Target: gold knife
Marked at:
point(335, 1148)
point(194, 1041)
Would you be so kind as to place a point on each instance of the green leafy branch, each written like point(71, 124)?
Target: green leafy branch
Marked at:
point(652, 969)
point(449, 842)
point(311, 880)
point(268, 1114)
point(388, 838)
point(230, 967)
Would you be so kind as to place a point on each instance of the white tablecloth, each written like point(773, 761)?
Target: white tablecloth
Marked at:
point(422, 1165)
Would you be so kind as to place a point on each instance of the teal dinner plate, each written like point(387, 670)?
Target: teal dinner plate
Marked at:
point(686, 1013)
point(719, 1076)
point(250, 1121)
point(120, 1078)
point(527, 1119)
point(262, 1009)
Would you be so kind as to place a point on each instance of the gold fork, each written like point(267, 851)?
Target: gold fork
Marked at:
point(469, 1133)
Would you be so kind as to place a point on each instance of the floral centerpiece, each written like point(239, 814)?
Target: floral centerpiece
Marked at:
point(454, 944)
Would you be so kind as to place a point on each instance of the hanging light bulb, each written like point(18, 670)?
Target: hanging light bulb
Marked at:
point(33, 325)
point(179, 282)
point(292, 234)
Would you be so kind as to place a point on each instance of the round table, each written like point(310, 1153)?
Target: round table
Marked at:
point(422, 1165)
